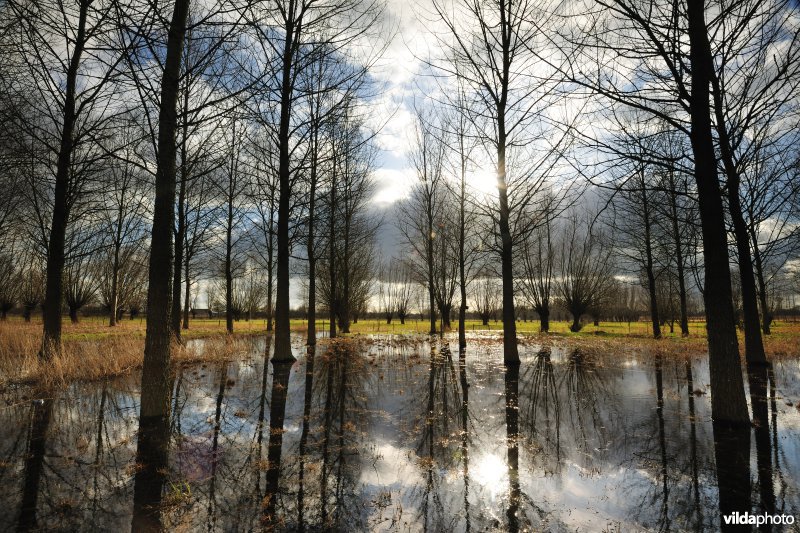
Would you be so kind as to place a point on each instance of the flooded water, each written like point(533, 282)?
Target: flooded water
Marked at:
point(401, 436)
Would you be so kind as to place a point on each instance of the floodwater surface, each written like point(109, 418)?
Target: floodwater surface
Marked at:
point(398, 434)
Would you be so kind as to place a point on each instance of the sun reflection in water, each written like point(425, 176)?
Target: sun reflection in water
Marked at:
point(491, 472)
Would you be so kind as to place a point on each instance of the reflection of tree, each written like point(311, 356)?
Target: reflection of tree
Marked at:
point(41, 414)
point(307, 398)
point(277, 413)
point(445, 408)
point(223, 378)
point(462, 369)
point(512, 444)
point(543, 416)
point(151, 459)
point(520, 509)
point(697, 508)
point(758, 378)
point(658, 497)
point(262, 403)
point(584, 390)
point(663, 521)
point(342, 375)
point(775, 446)
point(732, 454)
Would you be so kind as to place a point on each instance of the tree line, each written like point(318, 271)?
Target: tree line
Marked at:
point(159, 145)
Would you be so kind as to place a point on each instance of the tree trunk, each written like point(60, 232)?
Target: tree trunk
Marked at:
point(462, 275)
point(312, 258)
point(728, 399)
point(576, 323)
point(156, 387)
point(229, 272)
point(333, 304)
point(270, 307)
point(544, 319)
point(429, 253)
point(676, 235)
point(753, 344)
point(54, 287)
point(766, 315)
point(283, 345)
point(114, 300)
point(510, 351)
point(187, 293)
point(180, 238)
point(344, 324)
point(73, 314)
point(651, 277)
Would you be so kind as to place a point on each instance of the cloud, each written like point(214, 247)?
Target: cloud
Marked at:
point(392, 184)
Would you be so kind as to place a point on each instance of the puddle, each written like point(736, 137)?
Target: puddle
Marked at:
point(399, 437)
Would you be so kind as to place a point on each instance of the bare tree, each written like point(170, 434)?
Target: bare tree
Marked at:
point(68, 88)
point(643, 44)
point(80, 273)
point(351, 227)
point(486, 297)
point(303, 26)
point(537, 281)
point(487, 46)
point(424, 209)
point(123, 219)
point(156, 385)
point(585, 269)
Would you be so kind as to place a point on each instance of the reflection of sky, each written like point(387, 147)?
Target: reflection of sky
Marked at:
point(398, 465)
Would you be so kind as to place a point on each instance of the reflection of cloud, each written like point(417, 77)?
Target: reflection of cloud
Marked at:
point(392, 185)
point(393, 470)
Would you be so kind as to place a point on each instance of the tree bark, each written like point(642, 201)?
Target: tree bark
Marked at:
point(676, 236)
point(766, 315)
point(333, 304)
point(753, 343)
point(283, 346)
point(228, 265)
point(180, 233)
point(510, 351)
point(187, 293)
point(54, 285)
point(728, 399)
point(651, 277)
point(156, 387)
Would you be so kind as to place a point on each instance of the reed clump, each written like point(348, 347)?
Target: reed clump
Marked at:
point(96, 359)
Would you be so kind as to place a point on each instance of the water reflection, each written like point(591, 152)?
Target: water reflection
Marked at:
point(41, 414)
point(401, 435)
point(512, 445)
point(152, 452)
point(277, 413)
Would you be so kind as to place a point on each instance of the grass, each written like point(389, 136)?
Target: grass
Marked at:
point(92, 353)
point(93, 350)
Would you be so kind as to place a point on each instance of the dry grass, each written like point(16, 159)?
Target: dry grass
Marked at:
point(94, 358)
point(93, 350)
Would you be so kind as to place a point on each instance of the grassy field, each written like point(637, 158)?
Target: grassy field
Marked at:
point(93, 350)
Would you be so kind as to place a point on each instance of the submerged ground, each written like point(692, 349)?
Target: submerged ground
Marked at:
point(395, 433)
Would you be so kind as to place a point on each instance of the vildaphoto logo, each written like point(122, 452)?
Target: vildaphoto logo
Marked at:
point(746, 518)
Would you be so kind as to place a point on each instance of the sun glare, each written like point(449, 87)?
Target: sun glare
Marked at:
point(482, 182)
point(491, 472)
